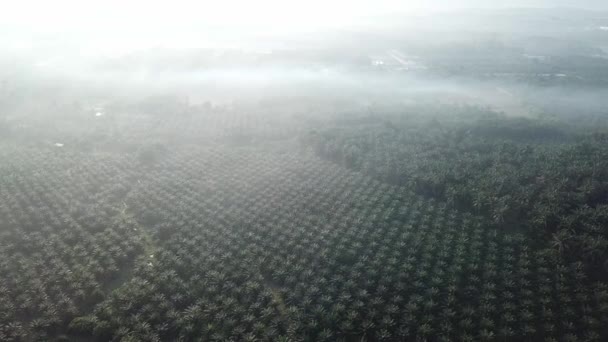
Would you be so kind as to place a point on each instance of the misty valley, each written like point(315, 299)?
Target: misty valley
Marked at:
point(432, 179)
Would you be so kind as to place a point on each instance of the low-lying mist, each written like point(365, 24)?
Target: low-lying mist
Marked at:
point(554, 67)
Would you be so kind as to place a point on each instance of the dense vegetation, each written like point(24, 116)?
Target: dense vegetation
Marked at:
point(236, 230)
point(541, 177)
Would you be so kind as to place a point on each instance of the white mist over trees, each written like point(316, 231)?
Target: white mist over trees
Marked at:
point(304, 171)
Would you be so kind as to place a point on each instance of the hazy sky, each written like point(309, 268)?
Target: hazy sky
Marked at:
point(100, 14)
point(116, 26)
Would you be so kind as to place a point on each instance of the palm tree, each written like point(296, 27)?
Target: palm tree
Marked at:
point(560, 240)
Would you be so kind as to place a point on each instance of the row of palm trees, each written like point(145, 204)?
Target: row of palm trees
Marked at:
point(256, 246)
point(549, 187)
point(62, 243)
point(252, 245)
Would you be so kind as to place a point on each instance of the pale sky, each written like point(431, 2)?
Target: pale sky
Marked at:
point(134, 14)
point(118, 26)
